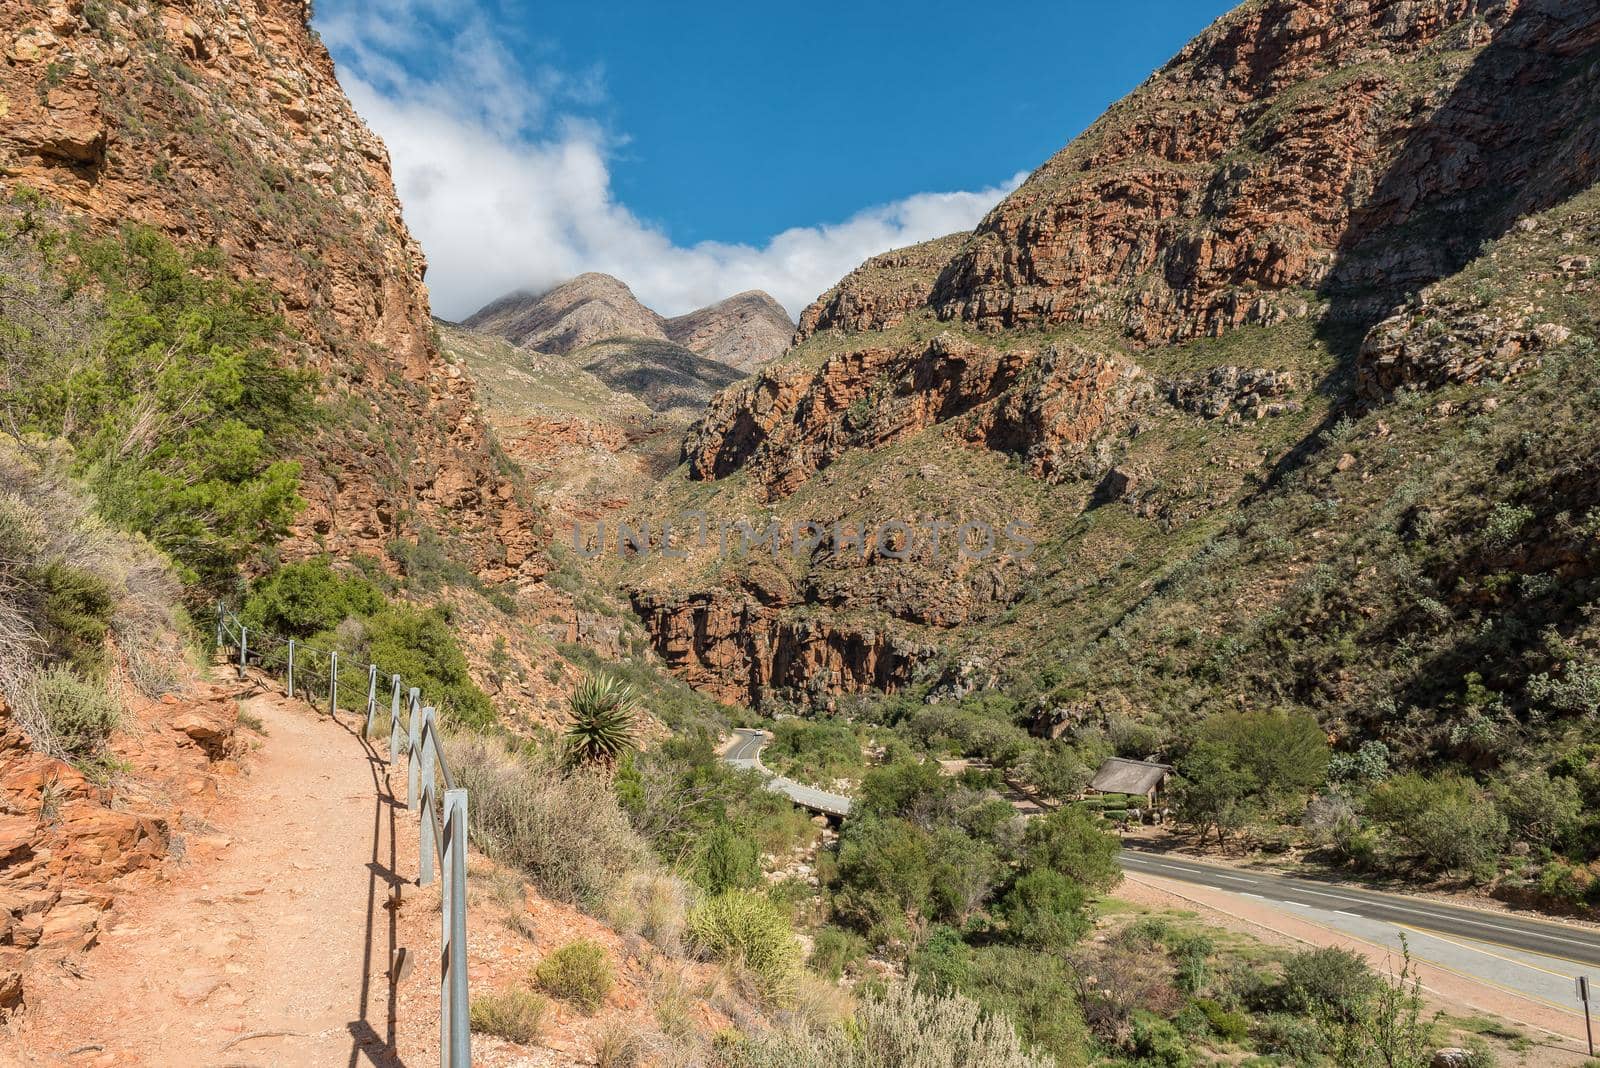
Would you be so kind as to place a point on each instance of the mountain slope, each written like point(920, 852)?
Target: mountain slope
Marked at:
point(591, 307)
point(231, 130)
point(744, 331)
point(1166, 333)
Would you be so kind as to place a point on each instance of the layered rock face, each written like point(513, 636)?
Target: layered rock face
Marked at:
point(742, 332)
point(1305, 169)
point(224, 125)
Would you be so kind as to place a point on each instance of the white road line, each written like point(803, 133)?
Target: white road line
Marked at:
point(1258, 897)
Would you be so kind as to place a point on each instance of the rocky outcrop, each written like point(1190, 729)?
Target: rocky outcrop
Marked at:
point(883, 291)
point(69, 848)
point(224, 125)
point(785, 425)
point(734, 647)
point(745, 331)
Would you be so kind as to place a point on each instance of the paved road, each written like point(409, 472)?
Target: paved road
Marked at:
point(1564, 942)
point(746, 753)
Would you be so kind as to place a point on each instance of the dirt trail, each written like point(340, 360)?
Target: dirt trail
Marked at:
point(272, 942)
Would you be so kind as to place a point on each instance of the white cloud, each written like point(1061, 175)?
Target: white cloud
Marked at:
point(506, 193)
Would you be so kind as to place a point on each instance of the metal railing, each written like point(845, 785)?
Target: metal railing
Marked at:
point(442, 823)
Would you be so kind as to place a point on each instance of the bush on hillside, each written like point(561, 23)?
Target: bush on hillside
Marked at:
point(1447, 821)
point(745, 929)
point(1336, 978)
point(565, 831)
point(516, 1015)
point(78, 716)
point(165, 382)
point(898, 1027)
point(328, 609)
point(579, 972)
point(814, 751)
point(728, 860)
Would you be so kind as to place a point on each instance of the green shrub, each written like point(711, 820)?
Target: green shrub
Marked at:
point(1157, 1042)
point(1070, 842)
point(301, 599)
point(79, 715)
point(728, 860)
point(1446, 821)
point(172, 397)
point(75, 615)
point(515, 1015)
point(835, 952)
point(1045, 909)
point(1293, 1038)
point(743, 928)
point(1225, 1024)
point(1336, 978)
point(579, 972)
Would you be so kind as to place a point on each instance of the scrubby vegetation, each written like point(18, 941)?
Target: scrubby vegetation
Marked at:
point(516, 1015)
point(326, 609)
point(70, 585)
point(160, 372)
point(579, 972)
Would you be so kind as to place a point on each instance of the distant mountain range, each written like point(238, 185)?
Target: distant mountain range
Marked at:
point(744, 331)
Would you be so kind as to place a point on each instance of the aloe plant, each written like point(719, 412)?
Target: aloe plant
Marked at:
point(605, 720)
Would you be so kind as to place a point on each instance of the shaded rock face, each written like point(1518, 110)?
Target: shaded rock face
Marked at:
point(742, 332)
point(225, 126)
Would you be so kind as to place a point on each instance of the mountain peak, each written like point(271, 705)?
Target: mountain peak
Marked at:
point(743, 331)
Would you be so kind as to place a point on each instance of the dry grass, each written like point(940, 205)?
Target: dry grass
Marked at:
point(47, 519)
point(564, 830)
point(516, 1015)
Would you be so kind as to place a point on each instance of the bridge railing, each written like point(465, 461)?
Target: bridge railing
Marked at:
point(442, 819)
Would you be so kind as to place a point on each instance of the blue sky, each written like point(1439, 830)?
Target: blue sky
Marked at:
point(698, 149)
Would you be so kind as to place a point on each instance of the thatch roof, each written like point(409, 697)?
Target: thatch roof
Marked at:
point(1136, 777)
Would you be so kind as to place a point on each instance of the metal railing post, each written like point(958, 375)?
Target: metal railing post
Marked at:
point(220, 615)
point(372, 698)
point(413, 709)
point(291, 668)
point(455, 1036)
point(333, 683)
point(425, 843)
point(244, 647)
point(394, 721)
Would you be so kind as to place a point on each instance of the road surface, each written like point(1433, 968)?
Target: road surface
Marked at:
point(1579, 945)
point(745, 752)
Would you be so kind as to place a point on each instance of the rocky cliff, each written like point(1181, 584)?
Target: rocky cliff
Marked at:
point(1163, 322)
point(223, 124)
